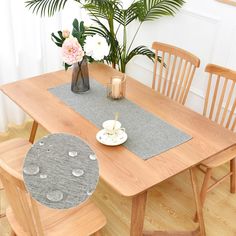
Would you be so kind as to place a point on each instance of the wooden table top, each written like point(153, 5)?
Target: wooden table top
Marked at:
point(121, 169)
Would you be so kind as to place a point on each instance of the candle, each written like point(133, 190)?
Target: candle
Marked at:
point(116, 87)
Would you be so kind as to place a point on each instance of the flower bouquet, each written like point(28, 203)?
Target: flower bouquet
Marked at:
point(77, 49)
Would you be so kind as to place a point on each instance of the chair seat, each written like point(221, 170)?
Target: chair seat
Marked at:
point(80, 221)
point(83, 220)
point(220, 158)
point(12, 146)
point(12, 152)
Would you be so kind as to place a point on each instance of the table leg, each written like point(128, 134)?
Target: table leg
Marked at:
point(137, 214)
point(200, 231)
point(33, 131)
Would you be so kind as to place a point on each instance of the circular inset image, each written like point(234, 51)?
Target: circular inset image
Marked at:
point(61, 171)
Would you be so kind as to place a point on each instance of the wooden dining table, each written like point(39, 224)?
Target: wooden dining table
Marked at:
point(121, 169)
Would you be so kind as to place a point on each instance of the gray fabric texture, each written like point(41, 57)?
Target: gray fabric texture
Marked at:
point(148, 135)
point(53, 160)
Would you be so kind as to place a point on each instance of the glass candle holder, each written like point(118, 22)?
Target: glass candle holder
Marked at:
point(116, 88)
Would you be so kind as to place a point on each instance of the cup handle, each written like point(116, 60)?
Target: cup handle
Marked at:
point(123, 129)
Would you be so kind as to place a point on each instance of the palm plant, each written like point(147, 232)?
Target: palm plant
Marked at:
point(107, 14)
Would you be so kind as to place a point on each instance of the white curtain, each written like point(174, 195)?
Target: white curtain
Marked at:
point(26, 49)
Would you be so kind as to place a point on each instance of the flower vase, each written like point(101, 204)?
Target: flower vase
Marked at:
point(80, 77)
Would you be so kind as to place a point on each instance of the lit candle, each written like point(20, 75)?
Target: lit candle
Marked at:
point(116, 87)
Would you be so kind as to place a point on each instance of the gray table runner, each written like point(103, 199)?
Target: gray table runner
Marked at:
point(148, 135)
point(60, 171)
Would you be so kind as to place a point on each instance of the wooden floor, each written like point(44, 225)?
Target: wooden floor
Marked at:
point(170, 205)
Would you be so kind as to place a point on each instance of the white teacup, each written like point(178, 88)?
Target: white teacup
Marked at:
point(112, 127)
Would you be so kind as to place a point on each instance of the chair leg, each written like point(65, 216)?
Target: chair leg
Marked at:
point(197, 202)
point(1, 189)
point(204, 189)
point(33, 131)
point(233, 176)
point(205, 185)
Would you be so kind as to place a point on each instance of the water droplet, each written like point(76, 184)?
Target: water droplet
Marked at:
point(90, 192)
point(31, 170)
point(41, 143)
point(73, 153)
point(92, 157)
point(43, 176)
point(77, 172)
point(55, 196)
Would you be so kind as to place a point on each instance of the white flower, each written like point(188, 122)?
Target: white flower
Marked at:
point(96, 46)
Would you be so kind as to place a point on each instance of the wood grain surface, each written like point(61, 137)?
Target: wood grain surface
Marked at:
point(121, 169)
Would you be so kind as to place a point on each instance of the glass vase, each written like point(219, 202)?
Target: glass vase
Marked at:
point(80, 77)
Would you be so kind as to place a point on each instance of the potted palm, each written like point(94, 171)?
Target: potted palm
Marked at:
point(110, 18)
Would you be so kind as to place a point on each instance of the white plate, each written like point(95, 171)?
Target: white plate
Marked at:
point(111, 140)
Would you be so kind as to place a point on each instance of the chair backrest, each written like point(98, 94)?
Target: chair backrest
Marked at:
point(174, 69)
point(23, 206)
point(220, 99)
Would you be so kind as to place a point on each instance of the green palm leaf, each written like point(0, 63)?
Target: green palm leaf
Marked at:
point(126, 16)
point(141, 50)
point(102, 8)
point(149, 10)
point(50, 7)
point(45, 7)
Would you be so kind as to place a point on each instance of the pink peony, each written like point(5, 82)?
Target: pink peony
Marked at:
point(72, 51)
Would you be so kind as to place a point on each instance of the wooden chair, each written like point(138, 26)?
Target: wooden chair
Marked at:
point(220, 103)
point(27, 217)
point(176, 68)
point(1, 189)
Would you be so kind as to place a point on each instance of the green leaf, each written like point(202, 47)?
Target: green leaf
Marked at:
point(44, 7)
point(81, 27)
point(78, 31)
point(67, 66)
point(76, 34)
point(76, 24)
point(140, 50)
point(144, 51)
point(60, 34)
point(125, 17)
point(58, 44)
point(149, 10)
point(55, 37)
point(58, 41)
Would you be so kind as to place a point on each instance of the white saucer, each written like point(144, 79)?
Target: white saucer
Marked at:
point(111, 140)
